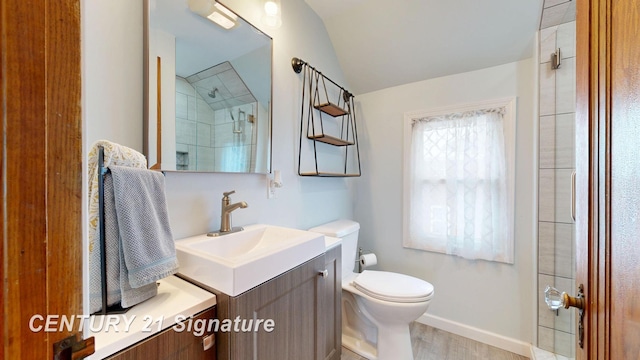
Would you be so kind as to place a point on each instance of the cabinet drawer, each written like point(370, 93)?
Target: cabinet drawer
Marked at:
point(173, 345)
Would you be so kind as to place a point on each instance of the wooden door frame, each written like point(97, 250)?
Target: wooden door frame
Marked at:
point(588, 167)
point(606, 238)
point(593, 169)
point(587, 164)
point(41, 171)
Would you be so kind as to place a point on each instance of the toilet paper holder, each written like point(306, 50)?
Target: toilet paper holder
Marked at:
point(359, 259)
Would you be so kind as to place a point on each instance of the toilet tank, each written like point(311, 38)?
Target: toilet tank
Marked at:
point(347, 230)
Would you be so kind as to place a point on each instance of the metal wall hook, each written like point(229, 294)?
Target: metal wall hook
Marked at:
point(556, 59)
point(297, 64)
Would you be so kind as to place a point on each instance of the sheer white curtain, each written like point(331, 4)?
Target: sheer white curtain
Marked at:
point(458, 186)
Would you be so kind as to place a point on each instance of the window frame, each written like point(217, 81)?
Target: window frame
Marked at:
point(509, 127)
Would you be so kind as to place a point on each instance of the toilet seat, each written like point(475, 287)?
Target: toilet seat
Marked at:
point(393, 287)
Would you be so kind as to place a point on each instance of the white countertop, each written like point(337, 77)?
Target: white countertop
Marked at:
point(331, 242)
point(176, 300)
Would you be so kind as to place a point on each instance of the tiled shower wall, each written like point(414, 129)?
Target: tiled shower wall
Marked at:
point(556, 228)
point(205, 139)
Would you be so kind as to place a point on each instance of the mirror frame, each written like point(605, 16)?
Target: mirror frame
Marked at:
point(146, 104)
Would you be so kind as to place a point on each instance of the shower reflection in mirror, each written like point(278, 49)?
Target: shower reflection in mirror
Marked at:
point(215, 117)
point(208, 107)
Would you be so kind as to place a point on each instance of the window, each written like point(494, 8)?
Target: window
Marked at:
point(458, 187)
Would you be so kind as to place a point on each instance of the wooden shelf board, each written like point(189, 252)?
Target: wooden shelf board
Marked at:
point(331, 109)
point(328, 174)
point(330, 140)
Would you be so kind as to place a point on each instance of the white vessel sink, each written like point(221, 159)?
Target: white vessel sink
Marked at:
point(237, 262)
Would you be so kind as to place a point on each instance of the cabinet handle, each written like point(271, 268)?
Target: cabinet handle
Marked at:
point(324, 273)
point(208, 342)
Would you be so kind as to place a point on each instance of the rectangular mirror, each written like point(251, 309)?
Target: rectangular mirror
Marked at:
point(207, 89)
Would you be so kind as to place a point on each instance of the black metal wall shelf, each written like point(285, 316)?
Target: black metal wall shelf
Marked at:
point(327, 174)
point(322, 96)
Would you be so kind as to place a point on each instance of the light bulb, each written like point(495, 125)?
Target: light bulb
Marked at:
point(272, 11)
point(271, 8)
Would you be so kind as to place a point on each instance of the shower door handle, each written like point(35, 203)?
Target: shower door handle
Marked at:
point(556, 300)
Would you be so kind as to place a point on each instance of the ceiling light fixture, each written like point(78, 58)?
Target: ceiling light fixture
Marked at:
point(215, 12)
point(272, 13)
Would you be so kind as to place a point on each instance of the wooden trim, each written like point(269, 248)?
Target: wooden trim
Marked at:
point(42, 170)
point(603, 309)
point(623, 254)
point(23, 191)
point(593, 167)
point(64, 162)
point(586, 167)
point(3, 236)
point(158, 164)
point(584, 142)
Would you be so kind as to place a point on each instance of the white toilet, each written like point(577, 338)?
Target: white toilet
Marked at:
point(377, 306)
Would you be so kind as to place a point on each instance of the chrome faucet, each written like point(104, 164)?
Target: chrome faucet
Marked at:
point(225, 215)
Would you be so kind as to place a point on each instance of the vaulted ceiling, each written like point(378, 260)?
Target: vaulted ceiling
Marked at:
point(381, 44)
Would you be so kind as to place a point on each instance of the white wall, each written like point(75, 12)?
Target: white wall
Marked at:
point(112, 71)
point(112, 106)
point(493, 297)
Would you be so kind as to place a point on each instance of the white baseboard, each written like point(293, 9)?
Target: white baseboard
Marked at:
point(483, 336)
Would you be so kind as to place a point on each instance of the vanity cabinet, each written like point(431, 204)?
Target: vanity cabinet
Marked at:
point(331, 305)
point(304, 304)
point(175, 345)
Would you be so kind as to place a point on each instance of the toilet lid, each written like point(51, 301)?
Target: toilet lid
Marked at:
point(393, 287)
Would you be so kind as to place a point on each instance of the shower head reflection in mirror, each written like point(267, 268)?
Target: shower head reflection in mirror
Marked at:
point(216, 92)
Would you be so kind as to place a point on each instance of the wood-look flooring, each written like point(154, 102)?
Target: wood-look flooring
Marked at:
point(434, 344)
